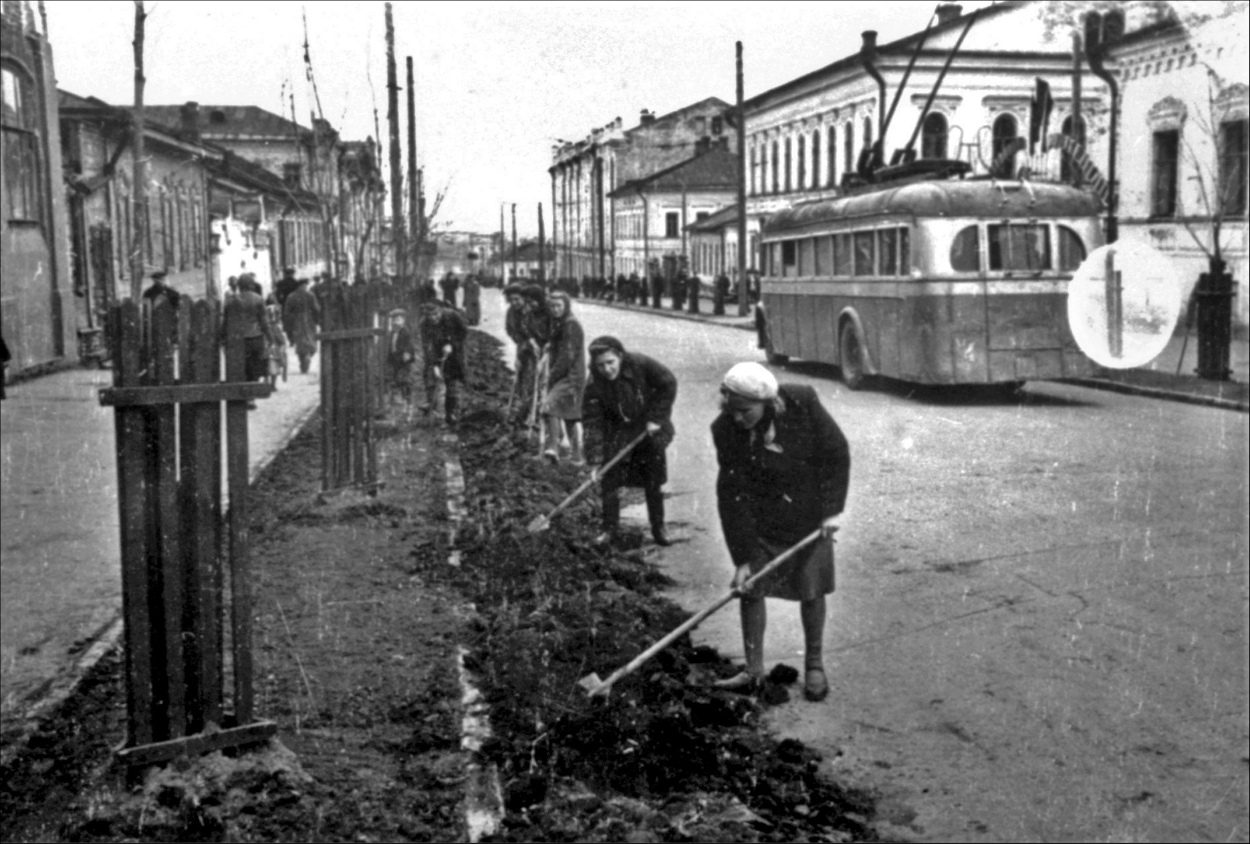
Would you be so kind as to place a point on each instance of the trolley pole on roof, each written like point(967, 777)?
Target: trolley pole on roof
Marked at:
point(744, 298)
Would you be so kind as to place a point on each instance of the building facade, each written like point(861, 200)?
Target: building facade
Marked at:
point(586, 174)
point(1183, 143)
point(36, 286)
point(652, 213)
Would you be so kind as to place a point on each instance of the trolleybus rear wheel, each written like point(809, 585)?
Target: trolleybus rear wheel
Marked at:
point(851, 357)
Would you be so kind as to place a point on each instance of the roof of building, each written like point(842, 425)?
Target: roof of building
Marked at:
point(71, 106)
point(677, 114)
point(853, 60)
point(727, 216)
point(230, 121)
point(528, 253)
point(949, 198)
point(716, 169)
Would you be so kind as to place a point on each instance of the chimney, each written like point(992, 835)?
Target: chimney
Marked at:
point(947, 12)
point(646, 118)
point(189, 120)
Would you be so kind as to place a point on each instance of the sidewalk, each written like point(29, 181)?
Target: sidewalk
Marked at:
point(60, 574)
point(1158, 379)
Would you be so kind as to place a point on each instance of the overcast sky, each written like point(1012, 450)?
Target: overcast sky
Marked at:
point(497, 83)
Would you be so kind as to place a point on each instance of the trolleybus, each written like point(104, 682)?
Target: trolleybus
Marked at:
point(933, 282)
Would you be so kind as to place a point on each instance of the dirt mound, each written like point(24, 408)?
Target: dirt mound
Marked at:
point(666, 756)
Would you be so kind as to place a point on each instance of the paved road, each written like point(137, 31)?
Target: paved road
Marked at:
point(1040, 630)
point(60, 576)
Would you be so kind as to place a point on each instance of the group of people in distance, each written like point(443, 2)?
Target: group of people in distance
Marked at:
point(684, 291)
point(784, 464)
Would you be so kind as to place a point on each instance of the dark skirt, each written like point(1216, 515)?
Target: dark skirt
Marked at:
point(807, 575)
point(564, 400)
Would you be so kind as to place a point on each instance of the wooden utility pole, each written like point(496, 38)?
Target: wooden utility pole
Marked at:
point(514, 256)
point(542, 248)
point(139, 196)
point(744, 299)
point(392, 119)
point(414, 210)
point(1078, 127)
point(503, 240)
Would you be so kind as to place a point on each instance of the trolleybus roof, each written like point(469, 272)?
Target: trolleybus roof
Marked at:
point(980, 198)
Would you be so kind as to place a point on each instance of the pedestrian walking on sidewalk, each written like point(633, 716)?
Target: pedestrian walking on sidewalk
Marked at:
point(472, 299)
point(443, 332)
point(450, 285)
point(254, 329)
point(784, 470)
point(160, 290)
point(692, 293)
point(630, 393)
point(301, 314)
point(566, 378)
point(720, 295)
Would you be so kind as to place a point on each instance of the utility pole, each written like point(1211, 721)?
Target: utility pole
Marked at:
point(392, 119)
point(139, 196)
point(555, 228)
point(503, 239)
point(414, 215)
point(744, 298)
point(542, 251)
point(514, 257)
point(1078, 128)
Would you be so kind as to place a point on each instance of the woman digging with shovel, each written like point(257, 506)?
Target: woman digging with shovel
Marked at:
point(784, 470)
point(630, 394)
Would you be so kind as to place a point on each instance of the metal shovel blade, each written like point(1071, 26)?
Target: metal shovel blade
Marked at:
point(590, 683)
point(538, 524)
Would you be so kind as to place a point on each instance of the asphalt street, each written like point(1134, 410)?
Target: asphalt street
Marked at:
point(1040, 627)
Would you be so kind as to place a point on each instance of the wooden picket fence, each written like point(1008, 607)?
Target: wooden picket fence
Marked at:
point(185, 554)
point(353, 381)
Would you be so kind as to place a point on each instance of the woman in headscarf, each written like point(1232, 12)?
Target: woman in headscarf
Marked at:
point(630, 393)
point(784, 471)
point(566, 378)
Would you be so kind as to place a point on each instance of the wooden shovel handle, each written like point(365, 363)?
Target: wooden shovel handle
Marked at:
point(590, 482)
point(695, 620)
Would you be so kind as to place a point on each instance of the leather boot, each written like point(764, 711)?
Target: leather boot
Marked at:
point(655, 514)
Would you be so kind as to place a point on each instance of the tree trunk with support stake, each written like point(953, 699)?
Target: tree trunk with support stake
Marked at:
point(139, 196)
point(1215, 314)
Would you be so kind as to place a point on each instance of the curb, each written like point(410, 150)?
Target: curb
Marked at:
point(483, 799)
point(1091, 383)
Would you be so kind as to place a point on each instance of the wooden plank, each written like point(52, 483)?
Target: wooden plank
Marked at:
point(131, 437)
point(237, 481)
point(326, 401)
point(164, 394)
point(198, 745)
point(360, 409)
point(214, 622)
point(165, 500)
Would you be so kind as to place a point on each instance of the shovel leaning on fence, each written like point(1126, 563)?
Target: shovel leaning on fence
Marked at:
point(541, 523)
point(591, 682)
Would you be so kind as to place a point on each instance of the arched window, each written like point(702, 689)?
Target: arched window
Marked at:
point(848, 139)
point(789, 168)
point(933, 136)
point(831, 177)
point(19, 145)
point(1004, 132)
point(776, 183)
point(753, 171)
point(802, 179)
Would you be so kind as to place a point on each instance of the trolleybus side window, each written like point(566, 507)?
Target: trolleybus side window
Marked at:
point(789, 255)
point(805, 256)
point(842, 253)
point(1071, 249)
point(865, 257)
point(888, 250)
point(824, 255)
point(966, 251)
point(1019, 247)
point(904, 251)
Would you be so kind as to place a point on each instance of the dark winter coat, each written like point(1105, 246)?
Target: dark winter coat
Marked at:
point(782, 490)
point(643, 392)
point(446, 327)
point(566, 369)
point(300, 315)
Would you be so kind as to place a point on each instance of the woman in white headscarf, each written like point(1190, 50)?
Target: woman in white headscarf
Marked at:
point(784, 471)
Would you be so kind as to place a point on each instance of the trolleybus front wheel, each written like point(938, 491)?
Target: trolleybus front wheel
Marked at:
point(851, 357)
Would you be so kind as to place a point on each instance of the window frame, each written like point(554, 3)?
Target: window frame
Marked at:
point(1164, 168)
